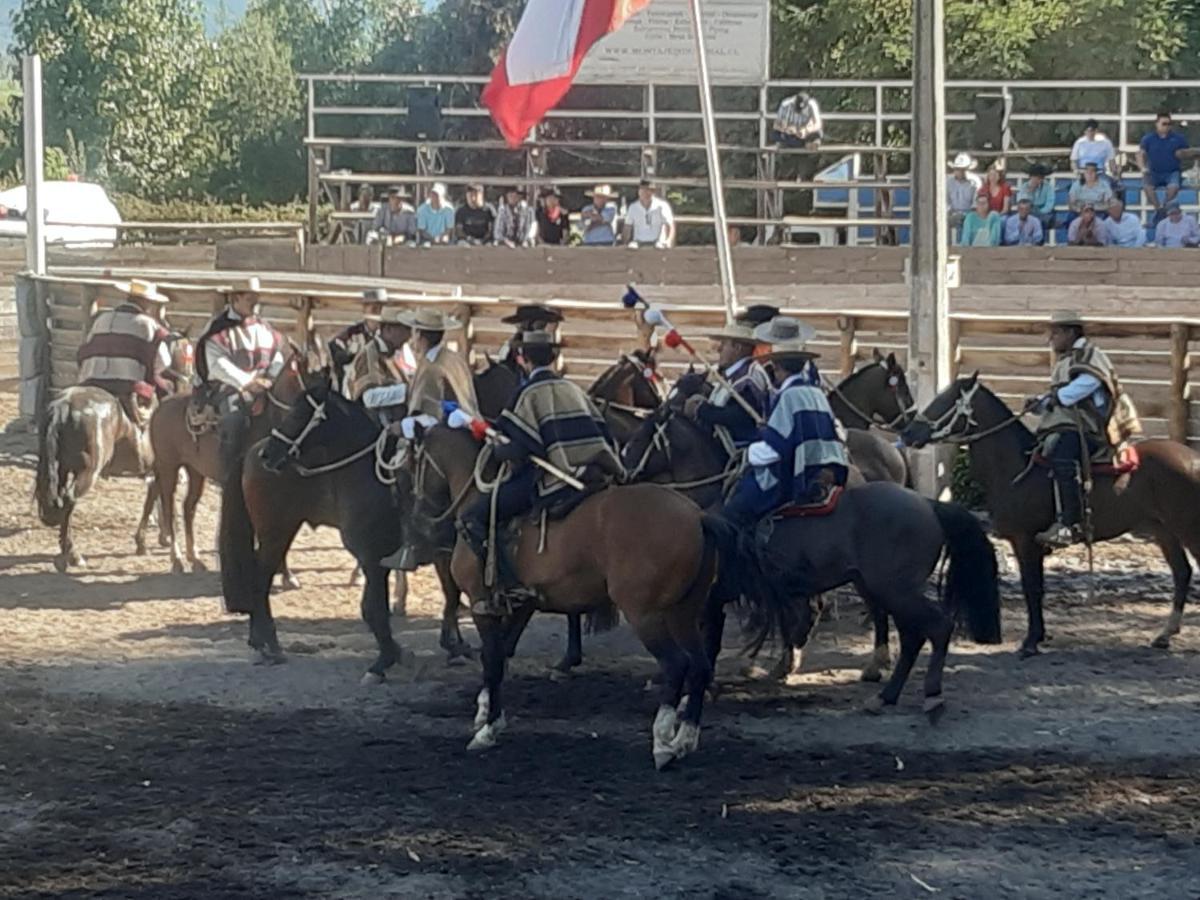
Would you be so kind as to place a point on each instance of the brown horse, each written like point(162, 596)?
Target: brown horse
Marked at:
point(642, 547)
point(84, 434)
point(627, 392)
point(1161, 497)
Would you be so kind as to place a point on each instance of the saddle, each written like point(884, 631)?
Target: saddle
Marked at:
point(822, 507)
point(1105, 461)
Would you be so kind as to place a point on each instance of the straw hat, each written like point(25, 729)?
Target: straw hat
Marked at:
point(964, 161)
point(392, 315)
point(532, 312)
point(249, 285)
point(600, 190)
point(734, 331)
point(426, 318)
point(1065, 318)
point(786, 337)
point(142, 290)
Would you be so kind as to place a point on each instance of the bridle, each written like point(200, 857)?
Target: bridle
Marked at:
point(906, 414)
point(658, 441)
point(945, 426)
point(295, 444)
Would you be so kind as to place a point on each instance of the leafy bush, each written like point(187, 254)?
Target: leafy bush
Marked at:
point(963, 486)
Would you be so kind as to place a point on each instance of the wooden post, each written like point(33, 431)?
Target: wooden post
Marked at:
point(304, 321)
point(1177, 423)
point(955, 349)
point(466, 335)
point(848, 326)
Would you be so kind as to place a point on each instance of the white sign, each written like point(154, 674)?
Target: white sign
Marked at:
point(657, 45)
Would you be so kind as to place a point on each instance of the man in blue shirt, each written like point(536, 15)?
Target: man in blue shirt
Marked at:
point(1124, 229)
point(435, 218)
point(1022, 228)
point(1040, 194)
point(1159, 156)
point(599, 218)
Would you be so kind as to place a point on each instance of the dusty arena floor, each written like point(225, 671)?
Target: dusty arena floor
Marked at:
point(142, 756)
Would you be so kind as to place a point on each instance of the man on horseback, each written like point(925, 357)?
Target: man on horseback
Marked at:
point(126, 352)
point(238, 358)
point(1076, 412)
point(349, 342)
point(550, 419)
point(798, 457)
point(375, 376)
point(530, 317)
point(745, 375)
point(442, 374)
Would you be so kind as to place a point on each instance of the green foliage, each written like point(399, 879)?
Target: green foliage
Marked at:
point(54, 164)
point(134, 208)
point(963, 487)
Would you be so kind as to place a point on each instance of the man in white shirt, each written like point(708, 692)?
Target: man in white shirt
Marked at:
point(1178, 229)
point(961, 188)
point(1124, 228)
point(1094, 147)
point(649, 220)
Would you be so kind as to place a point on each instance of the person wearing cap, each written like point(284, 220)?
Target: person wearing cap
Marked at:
point(1075, 414)
point(983, 227)
point(1093, 146)
point(1087, 229)
point(515, 223)
point(553, 220)
point(395, 222)
point(528, 317)
point(1178, 229)
point(1022, 228)
point(1090, 188)
point(649, 220)
point(550, 418)
point(349, 342)
point(961, 188)
point(798, 458)
point(435, 218)
point(1040, 194)
point(1160, 156)
point(126, 351)
point(238, 358)
point(746, 377)
point(599, 218)
point(1124, 228)
point(475, 220)
point(374, 376)
point(798, 122)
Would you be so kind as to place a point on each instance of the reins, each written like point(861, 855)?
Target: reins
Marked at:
point(836, 390)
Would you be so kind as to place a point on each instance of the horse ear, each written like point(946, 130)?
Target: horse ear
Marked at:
point(974, 377)
point(877, 354)
point(891, 361)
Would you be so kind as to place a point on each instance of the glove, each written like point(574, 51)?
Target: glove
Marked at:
point(459, 419)
point(1036, 404)
point(507, 452)
point(408, 425)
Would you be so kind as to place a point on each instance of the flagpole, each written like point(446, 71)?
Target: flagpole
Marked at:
point(716, 182)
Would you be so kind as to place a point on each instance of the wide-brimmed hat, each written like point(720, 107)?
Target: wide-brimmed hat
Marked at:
point(397, 191)
point(786, 337)
point(426, 318)
point(1065, 318)
point(392, 315)
point(964, 161)
point(600, 190)
point(250, 285)
point(1039, 170)
point(757, 314)
point(538, 339)
point(532, 312)
point(142, 290)
point(735, 331)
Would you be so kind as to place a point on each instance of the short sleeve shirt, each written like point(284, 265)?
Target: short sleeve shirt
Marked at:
point(476, 222)
point(602, 235)
point(648, 223)
point(435, 222)
point(1160, 151)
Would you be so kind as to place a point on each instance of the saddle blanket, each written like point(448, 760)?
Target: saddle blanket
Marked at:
point(1126, 461)
point(822, 507)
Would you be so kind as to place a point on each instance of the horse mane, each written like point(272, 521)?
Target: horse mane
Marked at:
point(993, 405)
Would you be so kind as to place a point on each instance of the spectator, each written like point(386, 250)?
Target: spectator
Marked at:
point(997, 190)
point(649, 220)
point(435, 218)
point(1040, 194)
point(599, 218)
point(982, 226)
point(515, 224)
point(798, 122)
point(1124, 228)
point(1086, 230)
point(1089, 189)
point(1159, 156)
point(1178, 229)
point(1022, 228)
point(1095, 147)
point(395, 223)
point(475, 221)
point(364, 205)
point(961, 188)
point(553, 221)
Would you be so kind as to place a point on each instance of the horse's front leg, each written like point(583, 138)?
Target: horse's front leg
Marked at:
point(451, 639)
point(378, 617)
point(489, 712)
point(139, 536)
point(68, 556)
point(574, 654)
point(1031, 558)
point(881, 656)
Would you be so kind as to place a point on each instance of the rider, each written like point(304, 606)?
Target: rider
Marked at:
point(529, 317)
point(239, 356)
point(442, 374)
point(798, 457)
point(374, 376)
point(754, 315)
point(552, 419)
point(1075, 418)
point(349, 342)
point(126, 351)
point(747, 377)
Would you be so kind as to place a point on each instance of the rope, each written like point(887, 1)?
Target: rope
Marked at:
point(307, 472)
point(890, 427)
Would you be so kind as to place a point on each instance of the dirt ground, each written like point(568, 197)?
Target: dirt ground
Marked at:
point(143, 756)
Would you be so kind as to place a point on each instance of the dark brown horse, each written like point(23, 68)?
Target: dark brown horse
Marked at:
point(626, 392)
point(84, 434)
point(642, 547)
point(1161, 497)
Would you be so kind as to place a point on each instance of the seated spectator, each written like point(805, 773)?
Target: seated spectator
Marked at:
point(1040, 195)
point(798, 122)
point(982, 226)
point(1178, 229)
point(1022, 228)
point(360, 228)
point(395, 223)
point(649, 220)
point(1160, 154)
point(599, 218)
point(474, 221)
point(515, 223)
point(997, 190)
point(1086, 230)
point(553, 221)
point(1094, 147)
point(435, 218)
point(961, 188)
point(1089, 189)
point(1124, 228)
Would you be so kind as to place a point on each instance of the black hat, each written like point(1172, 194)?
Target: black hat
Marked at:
point(532, 312)
point(475, 186)
point(1039, 169)
point(1090, 123)
point(551, 192)
point(757, 314)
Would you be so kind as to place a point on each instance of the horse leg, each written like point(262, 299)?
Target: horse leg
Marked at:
point(287, 580)
point(139, 536)
point(687, 637)
point(574, 655)
point(489, 711)
point(881, 657)
point(263, 637)
point(912, 637)
point(1181, 575)
point(378, 617)
point(516, 627)
point(938, 628)
point(68, 556)
point(673, 662)
point(400, 596)
point(167, 482)
point(1031, 559)
point(451, 639)
point(195, 490)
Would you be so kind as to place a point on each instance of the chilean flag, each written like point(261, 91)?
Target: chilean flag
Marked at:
point(536, 70)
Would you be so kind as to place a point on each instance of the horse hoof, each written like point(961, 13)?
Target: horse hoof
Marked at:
point(874, 705)
point(371, 679)
point(139, 548)
point(663, 757)
point(485, 737)
point(198, 567)
point(934, 708)
point(1162, 642)
point(61, 564)
point(164, 542)
point(1028, 650)
point(260, 657)
point(565, 665)
point(871, 675)
point(177, 567)
point(400, 611)
point(291, 583)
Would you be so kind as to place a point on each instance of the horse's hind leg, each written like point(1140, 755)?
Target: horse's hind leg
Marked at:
point(673, 661)
point(195, 490)
point(912, 637)
point(938, 628)
point(68, 557)
point(451, 639)
point(378, 617)
point(400, 596)
point(1181, 575)
point(139, 536)
point(684, 630)
point(574, 654)
point(168, 480)
point(881, 657)
point(287, 579)
point(489, 713)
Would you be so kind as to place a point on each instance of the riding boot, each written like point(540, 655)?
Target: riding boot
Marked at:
point(232, 432)
point(1069, 503)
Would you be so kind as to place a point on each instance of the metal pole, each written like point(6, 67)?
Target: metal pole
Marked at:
point(724, 251)
point(929, 322)
point(35, 219)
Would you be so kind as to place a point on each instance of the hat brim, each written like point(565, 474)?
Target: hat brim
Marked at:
point(778, 351)
point(740, 337)
point(126, 288)
point(448, 323)
point(534, 314)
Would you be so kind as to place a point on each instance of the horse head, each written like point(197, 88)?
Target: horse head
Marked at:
point(441, 465)
point(901, 398)
point(952, 414)
point(631, 381)
point(309, 421)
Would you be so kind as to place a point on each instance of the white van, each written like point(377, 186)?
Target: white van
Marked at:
point(79, 214)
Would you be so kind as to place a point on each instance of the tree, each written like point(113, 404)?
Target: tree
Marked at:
point(133, 80)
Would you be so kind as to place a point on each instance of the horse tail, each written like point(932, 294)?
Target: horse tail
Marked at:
point(49, 490)
point(239, 562)
point(972, 589)
point(603, 618)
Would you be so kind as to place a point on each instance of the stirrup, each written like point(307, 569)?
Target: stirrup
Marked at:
point(1059, 536)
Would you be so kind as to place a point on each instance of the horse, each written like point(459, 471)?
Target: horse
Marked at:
point(874, 394)
point(626, 392)
point(642, 547)
point(1162, 496)
point(84, 434)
